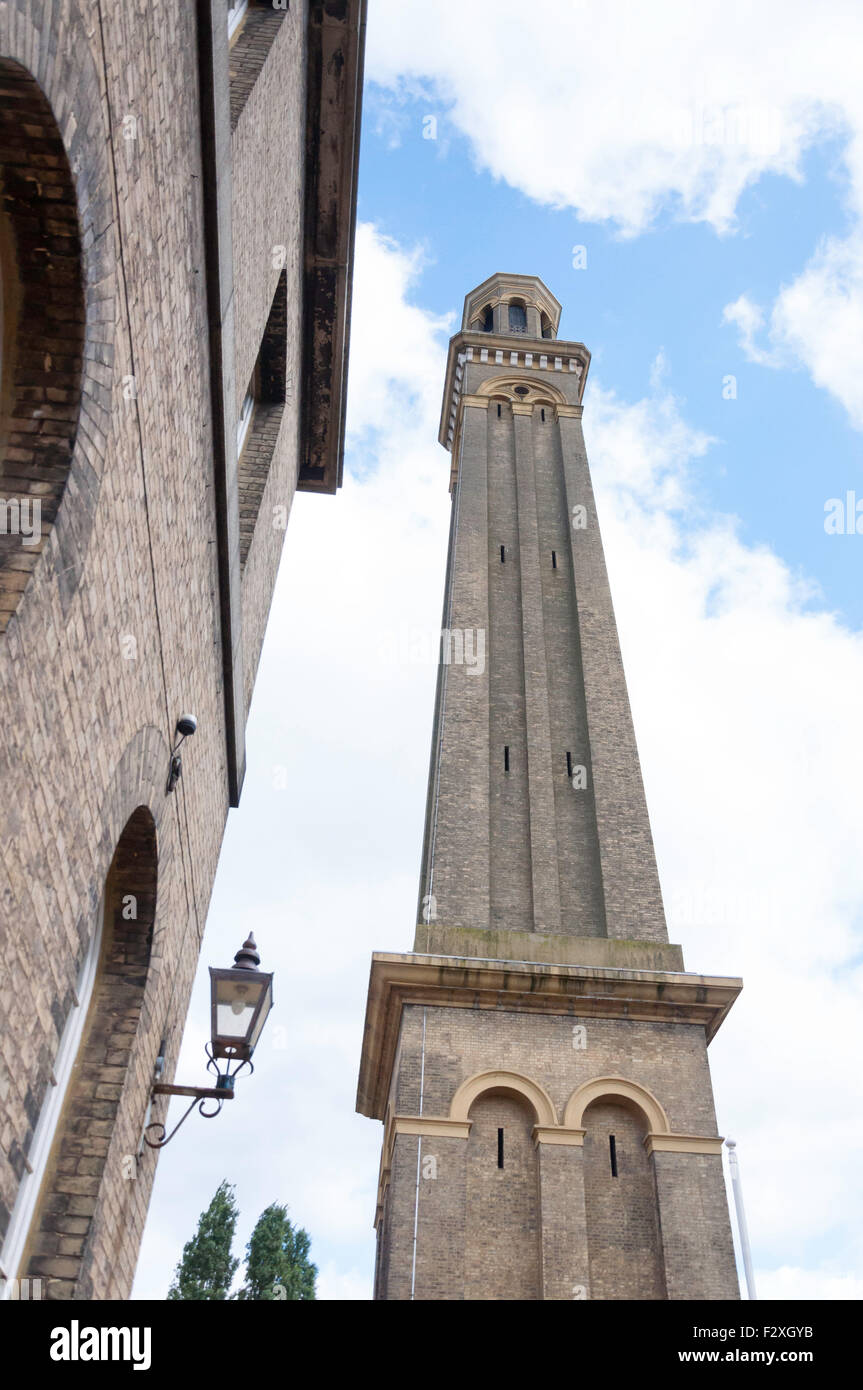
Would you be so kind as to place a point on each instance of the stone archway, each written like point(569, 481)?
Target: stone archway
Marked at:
point(619, 1089)
point(534, 1094)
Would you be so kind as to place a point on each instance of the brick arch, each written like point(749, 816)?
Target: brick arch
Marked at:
point(134, 796)
point(538, 392)
point(61, 1229)
point(618, 1089)
point(475, 1086)
point(624, 1244)
point(57, 260)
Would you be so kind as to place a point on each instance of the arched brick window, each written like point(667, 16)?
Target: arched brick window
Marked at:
point(43, 326)
point(59, 1200)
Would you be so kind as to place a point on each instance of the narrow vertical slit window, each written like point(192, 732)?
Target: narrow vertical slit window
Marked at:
point(569, 765)
point(542, 413)
point(506, 758)
point(554, 559)
point(612, 1153)
point(500, 1148)
point(503, 554)
point(498, 410)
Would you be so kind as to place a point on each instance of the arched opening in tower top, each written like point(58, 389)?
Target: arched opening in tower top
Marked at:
point(486, 321)
point(517, 317)
point(545, 326)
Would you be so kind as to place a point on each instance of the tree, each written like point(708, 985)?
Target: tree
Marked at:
point(207, 1269)
point(277, 1263)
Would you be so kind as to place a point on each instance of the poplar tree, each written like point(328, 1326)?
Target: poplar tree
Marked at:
point(207, 1269)
point(277, 1263)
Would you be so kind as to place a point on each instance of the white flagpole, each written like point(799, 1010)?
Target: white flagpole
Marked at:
point(742, 1231)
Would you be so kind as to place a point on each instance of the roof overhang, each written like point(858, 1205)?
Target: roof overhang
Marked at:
point(658, 996)
point(335, 43)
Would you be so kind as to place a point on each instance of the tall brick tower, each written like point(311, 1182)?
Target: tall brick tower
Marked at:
point(539, 1060)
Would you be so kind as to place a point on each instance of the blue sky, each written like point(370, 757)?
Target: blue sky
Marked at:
point(709, 254)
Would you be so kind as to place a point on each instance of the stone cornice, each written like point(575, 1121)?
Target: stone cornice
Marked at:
point(683, 1143)
point(335, 41)
point(510, 352)
point(556, 1134)
point(442, 1127)
point(520, 986)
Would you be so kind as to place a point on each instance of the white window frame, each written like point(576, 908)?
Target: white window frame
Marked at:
point(29, 1188)
point(236, 15)
point(247, 410)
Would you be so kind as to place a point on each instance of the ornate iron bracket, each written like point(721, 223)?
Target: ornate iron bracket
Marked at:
point(200, 1095)
point(222, 1091)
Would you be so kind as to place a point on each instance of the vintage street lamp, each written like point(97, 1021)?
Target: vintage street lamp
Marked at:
point(240, 1000)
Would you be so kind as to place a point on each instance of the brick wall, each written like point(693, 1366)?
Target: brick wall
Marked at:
point(267, 153)
point(527, 850)
point(502, 1227)
point(596, 1236)
point(44, 338)
point(624, 1248)
point(249, 52)
point(118, 631)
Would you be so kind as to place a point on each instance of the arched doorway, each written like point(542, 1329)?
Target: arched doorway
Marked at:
point(53, 1221)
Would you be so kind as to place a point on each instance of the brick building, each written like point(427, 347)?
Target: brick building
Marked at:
point(539, 1060)
point(177, 202)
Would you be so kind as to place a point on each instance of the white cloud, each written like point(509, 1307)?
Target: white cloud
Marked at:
point(621, 112)
point(749, 319)
point(342, 1286)
point(615, 109)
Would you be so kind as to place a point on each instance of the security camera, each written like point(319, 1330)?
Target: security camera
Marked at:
point(186, 725)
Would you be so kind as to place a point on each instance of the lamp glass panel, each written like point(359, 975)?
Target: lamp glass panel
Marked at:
point(236, 1001)
point(266, 1005)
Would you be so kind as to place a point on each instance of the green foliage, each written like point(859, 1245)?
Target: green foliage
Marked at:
point(277, 1263)
point(207, 1269)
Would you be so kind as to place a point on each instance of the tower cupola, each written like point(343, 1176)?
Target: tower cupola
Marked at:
point(512, 305)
